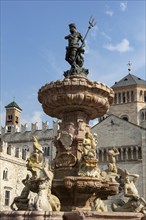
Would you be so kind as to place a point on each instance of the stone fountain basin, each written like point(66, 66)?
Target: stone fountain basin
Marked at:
point(75, 94)
point(89, 185)
point(76, 192)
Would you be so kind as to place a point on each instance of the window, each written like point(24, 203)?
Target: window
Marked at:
point(132, 96)
point(16, 120)
point(125, 117)
point(7, 197)
point(9, 128)
point(115, 99)
point(9, 149)
point(124, 97)
point(5, 174)
point(46, 150)
point(127, 96)
point(142, 116)
point(9, 119)
point(24, 154)
point(119, 97)
point(141, 95)
point(17, 152)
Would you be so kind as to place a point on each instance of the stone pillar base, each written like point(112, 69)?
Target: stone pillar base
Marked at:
point(74, 215)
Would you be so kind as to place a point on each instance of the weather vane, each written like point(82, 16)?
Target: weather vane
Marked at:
point(129, 66)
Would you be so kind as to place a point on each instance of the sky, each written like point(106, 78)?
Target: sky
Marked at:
point(33, 46)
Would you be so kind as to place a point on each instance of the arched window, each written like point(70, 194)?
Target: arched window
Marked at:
point(5, 174)
point(119, 97)
point(128, 97)
point(24, 154)
point(9, 149)
point(125, 117)
point(46, 150)
point(115, 99)
point(132, 96)
point(142, 116)
point(141, 95)
point(124, 99)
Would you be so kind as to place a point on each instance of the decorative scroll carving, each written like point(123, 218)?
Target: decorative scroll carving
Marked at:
point(65, 159)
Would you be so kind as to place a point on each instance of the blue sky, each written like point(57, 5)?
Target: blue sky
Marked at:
point(33, 46)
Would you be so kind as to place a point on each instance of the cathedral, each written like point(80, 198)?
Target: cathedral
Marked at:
point(123, 127)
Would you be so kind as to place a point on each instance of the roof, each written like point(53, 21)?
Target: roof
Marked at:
point(13, 104)
point(120, 119)
point(129, 80)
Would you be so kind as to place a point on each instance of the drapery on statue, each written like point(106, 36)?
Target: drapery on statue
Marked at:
point(135, 203)
point(76, 49)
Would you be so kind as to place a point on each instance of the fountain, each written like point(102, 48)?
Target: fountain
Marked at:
point(76, 100)
point(74, 183)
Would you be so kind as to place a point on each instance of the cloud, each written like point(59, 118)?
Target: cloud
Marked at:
point(123, 46)
point(105, 36)
point(35, 117)
point(109, 13)
point(123, 6)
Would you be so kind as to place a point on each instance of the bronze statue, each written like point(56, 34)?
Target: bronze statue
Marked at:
point(76, 49)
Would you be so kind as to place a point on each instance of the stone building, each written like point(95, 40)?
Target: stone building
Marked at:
point(130, 100)
point(123, 127)
point(16, 144)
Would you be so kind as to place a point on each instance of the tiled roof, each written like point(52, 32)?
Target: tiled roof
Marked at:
point(13, 104)
point(129, 80)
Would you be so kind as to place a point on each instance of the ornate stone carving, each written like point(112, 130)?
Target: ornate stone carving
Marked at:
point(66, 139)
point(65, 159)
point(40, 184)
point(88, 165)
point(135, 203)
point(73, 94)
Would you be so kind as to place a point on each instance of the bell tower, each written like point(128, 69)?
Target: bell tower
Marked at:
point(13, 112)
point(130, 99)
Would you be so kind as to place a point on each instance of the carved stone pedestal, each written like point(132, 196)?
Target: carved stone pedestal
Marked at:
point(75, 215)
point(77, 179)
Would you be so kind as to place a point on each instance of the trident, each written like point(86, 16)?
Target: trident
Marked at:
point(92, 23)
